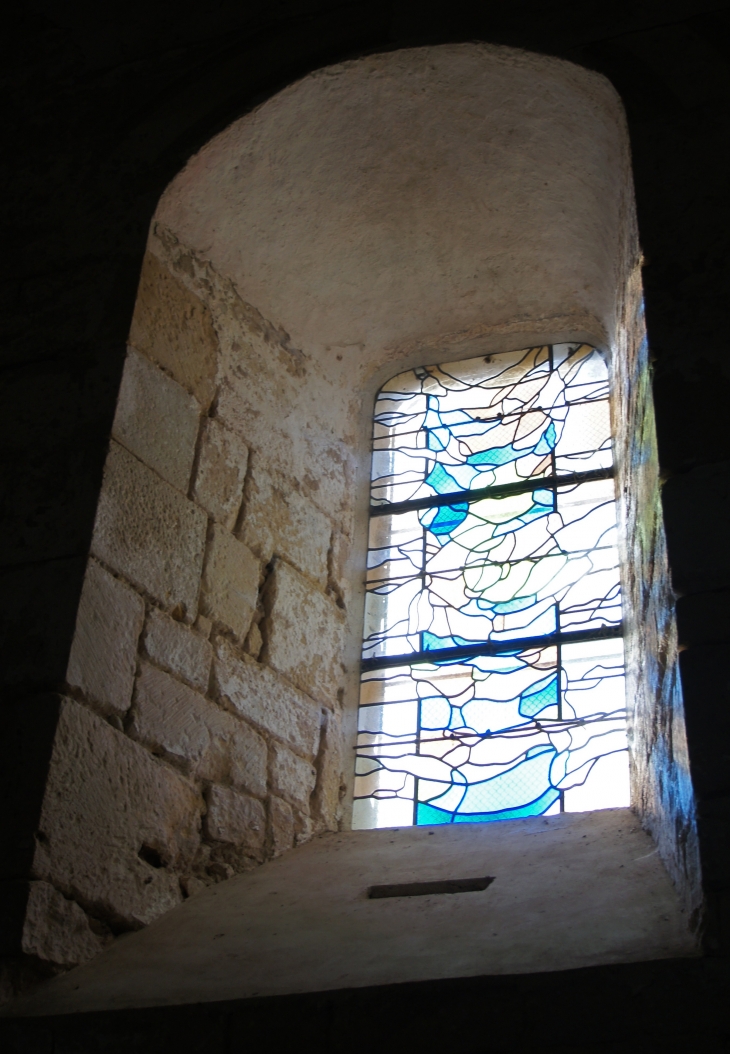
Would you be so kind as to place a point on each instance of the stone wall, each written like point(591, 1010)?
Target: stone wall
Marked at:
point(661, 785)
point(199, 733)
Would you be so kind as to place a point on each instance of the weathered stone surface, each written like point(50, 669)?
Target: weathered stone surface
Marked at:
point(175, 329)
point(303, 826)
point(149, 532)
point(254, 642)
point(212, 744)
point(178, 649)
point(339, 582)
point(193, 884)
point(278, 519)
point(106, 800)
point(230, 582)
point(326, 802)
point(168, 716)
point(104, 650)
point(221, 472)
point(281, 825)
point(236, 818)
point(57, 930)
point(260, 695)
point(157, 420)
point(291, 776)
point(304, 631)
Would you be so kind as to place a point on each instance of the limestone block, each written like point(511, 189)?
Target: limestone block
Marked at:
point(304, 631)
point(291, 776)
point(157, 420)
point(295, 432)
point(278, 519)
point(149, 532)
point(326, 803)
point(281, 825)
point(254, 642)
point(167, 716)
point(340, 582)
point(106, 801)
point(303, 826)
point(230, 582)
point(175, 329)
point(210, 743)
point(178, 649)
point(104, 650)
point(235, 818)
point(241, 754)
point(221, 472)
point(57, 930)
point(262, 696)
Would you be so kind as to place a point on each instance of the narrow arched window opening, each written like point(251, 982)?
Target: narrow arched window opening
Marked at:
point(492, 673)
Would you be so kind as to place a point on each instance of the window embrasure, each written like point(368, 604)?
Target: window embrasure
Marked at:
point(492, 673)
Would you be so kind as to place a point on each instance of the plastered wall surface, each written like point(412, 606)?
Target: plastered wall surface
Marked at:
point(413, 195)
point(419, 205)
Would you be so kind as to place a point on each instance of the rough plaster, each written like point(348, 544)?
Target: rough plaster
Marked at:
point(414, 194)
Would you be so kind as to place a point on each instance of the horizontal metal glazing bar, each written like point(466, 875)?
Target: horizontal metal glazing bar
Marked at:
point(460, 496)
point(502, 647)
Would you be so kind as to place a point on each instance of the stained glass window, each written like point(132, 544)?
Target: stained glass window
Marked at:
point(492, 670)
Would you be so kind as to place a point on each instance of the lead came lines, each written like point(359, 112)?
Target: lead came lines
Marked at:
point(493, 616)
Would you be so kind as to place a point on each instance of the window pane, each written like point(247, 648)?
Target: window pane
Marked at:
point(503, 605)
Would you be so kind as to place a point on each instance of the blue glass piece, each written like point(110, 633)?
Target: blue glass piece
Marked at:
point(547, 440)
point(457, 718)
point(543, 497)
point(497, 455)
point(518, 604)
point(428, 815)
point(533, 808)
point(435, 712)
point(438, 438)
point(517, 787)
point(441, 481)
point(448, 518)
point(433, 643)
point(539, 697)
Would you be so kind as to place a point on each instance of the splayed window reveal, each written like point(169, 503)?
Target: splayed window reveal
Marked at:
point(492, 671)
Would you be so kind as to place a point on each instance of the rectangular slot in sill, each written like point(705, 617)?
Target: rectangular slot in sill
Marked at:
point(424, 889)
